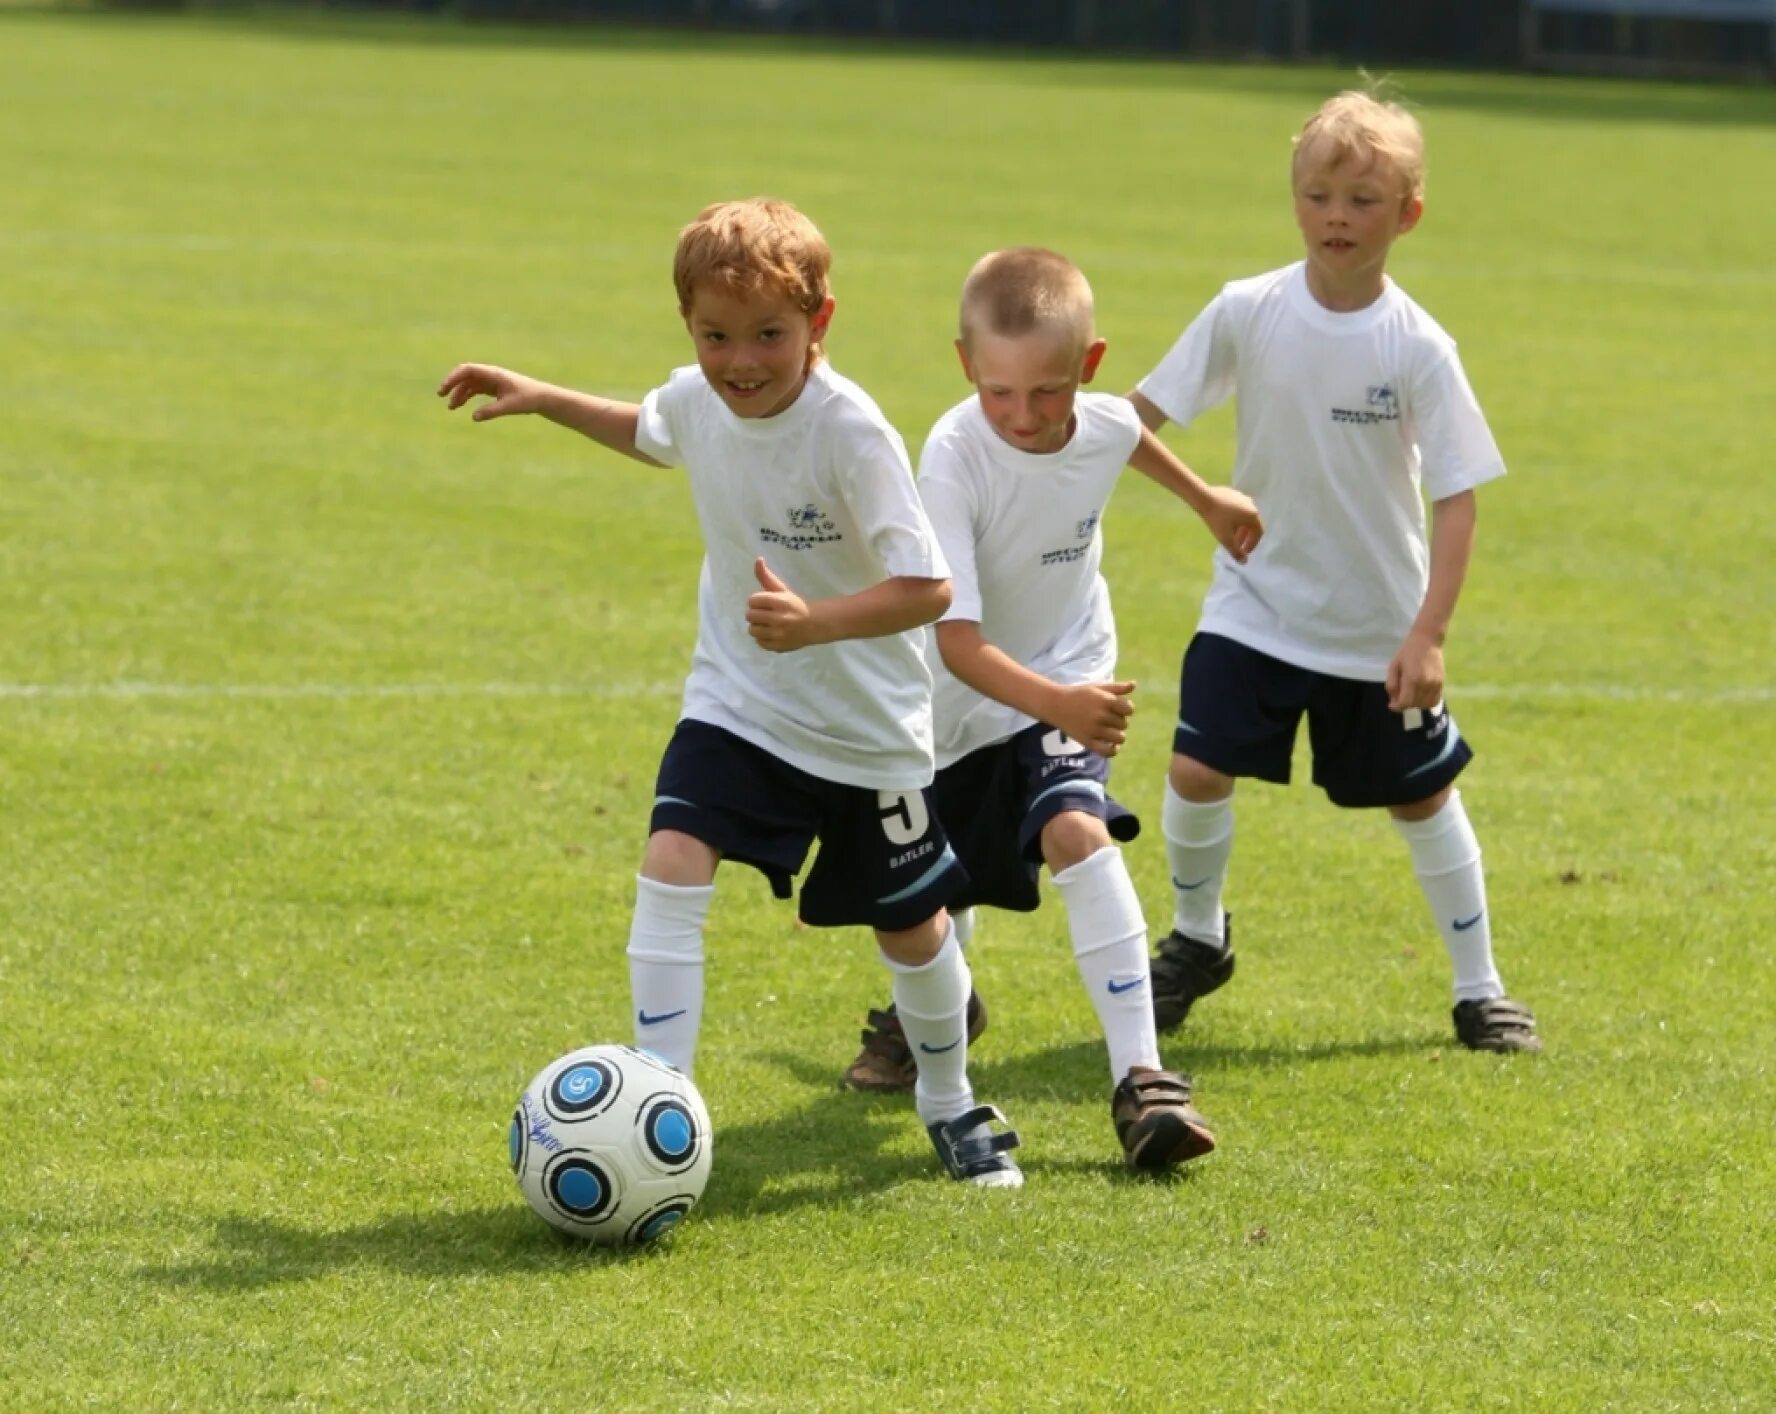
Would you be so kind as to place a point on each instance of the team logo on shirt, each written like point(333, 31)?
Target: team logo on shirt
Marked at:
point(1383, 406)
point(1082, 532)
point(808, 526)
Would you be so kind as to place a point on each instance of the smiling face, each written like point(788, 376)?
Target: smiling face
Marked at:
point(1351, 208)
point(754, 348)
point(1027, 383)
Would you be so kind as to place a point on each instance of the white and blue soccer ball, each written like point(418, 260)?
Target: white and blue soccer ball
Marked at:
point(611, 1144)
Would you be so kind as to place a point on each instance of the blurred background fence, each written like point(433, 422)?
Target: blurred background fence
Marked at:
point(1686, 38)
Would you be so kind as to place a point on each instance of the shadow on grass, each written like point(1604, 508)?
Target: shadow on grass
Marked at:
point(1078, 1070)
point(1585, 99)
point(822, 1155)
point(1066, 1074)
point(257, 1252)
point(839, 1148)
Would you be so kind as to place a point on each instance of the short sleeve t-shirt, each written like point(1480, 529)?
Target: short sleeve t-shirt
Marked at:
point(1341, 417)
point(1022, 534)
point(824, 492)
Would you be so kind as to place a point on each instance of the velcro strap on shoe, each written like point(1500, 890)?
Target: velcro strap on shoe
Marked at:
point(884, 1026)
point(985, 1144)
point(1161, 1087)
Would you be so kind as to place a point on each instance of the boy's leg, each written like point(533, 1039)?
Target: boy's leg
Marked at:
point(1196, 957)
point(1238, 710)
point(931, 992)
point(1446, 858)
point(1109, 936)
point(1366, 754)
point(1197, 821)
point(931, 984)
point(716, 797)
point(885, 860)
point(1150, 1107)
point(884, 1062)
point(673, 893)
point(973, 792)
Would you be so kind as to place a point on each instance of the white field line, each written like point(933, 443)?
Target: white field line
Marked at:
point(205, 243)
point(325, 691)
point(1614, 692)
point(1755, 693)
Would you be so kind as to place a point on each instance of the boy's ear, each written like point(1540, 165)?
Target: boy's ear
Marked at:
point(1410, 210)
point(962, 353)
point(1093, 357)
point(821, 318)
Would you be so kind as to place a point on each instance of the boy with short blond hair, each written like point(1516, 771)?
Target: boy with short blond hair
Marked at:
point(1016, 479)
point(1349, 397)
point(807, 711)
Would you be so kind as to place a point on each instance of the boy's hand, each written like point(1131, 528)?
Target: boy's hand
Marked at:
point(1095, 714)
point(779, 619)
point(1415, 677)
point(511, 392)
point(1232, 518)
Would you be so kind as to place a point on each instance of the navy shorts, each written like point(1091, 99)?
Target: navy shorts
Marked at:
point(995, 801)
point(884, 860)
point(1238, 710)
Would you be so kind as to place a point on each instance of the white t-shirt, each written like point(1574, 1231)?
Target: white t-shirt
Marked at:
point(825, 493)
point(1337, 415)
point(1021, 532)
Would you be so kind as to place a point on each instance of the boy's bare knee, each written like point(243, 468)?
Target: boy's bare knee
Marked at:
point(674, 857)
point(1072, 837)
point(1199, 783)
point(914, 947)
point(1421, 809)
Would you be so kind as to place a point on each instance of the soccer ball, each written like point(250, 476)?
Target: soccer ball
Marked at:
point(611, 1144)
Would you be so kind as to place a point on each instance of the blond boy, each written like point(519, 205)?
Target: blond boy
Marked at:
point(807, 712)
point(1029, 710)
point(1350, 398)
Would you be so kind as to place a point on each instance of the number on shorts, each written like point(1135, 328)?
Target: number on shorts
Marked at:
point(904, 817)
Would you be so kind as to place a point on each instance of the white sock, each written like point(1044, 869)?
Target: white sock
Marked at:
point(963, 919)
point(1446, 858)
point(666, 968)
point(1110, 946)
point(932, 1003)
point(1199, 840)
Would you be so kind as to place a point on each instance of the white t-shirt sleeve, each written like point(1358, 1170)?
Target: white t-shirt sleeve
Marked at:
point(661, 410)
point(951, 510)
point(1198, 372)
point(877, 481)
point(1124, 432)
point(1455, 446)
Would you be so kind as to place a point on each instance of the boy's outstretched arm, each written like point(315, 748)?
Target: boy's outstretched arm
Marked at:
point(781, 621)
point(1094, 714)
point(612, 424)
point(1415, 677)
point(1148, 411)
point(1230, 515)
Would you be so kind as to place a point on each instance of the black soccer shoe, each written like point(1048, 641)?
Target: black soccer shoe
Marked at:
point(1185, 970)
point(1496, 1024)
point(972, 1153)
point(1156, 1122)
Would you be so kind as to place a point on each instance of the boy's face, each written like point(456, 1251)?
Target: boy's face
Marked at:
point(1351, 209)
point(1027, 384)
point(753, 348)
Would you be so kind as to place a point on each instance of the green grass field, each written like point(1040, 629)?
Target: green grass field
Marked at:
point(328, 724)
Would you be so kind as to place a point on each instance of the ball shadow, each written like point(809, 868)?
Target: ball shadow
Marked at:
point(255, 1252)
